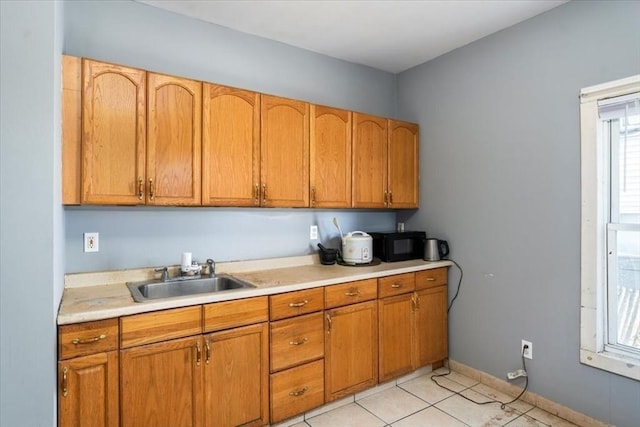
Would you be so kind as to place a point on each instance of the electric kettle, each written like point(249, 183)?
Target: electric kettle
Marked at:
point(435, 250)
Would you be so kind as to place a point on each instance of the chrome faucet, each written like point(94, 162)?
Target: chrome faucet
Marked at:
point(212, 267)
point(165, 273)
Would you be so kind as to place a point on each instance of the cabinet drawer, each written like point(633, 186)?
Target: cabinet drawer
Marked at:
point(431, 278)
point(86, 338)
point(396, 285)
point(230, 314)
point(295, 303)
point(160, 326)
point(297, 390)
point(350, 293)
point(296, 341)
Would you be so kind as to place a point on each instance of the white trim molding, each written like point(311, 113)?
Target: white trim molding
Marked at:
point(594, 191)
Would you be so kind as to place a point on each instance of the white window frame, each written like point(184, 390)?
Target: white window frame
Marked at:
point(594, 216)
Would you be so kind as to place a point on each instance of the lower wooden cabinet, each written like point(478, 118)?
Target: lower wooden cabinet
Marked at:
point(161, 384)
point(297, 390)
point(430, 326)
point(351, 349)
point(395, 323)
point(236, 377)
point(88, 392)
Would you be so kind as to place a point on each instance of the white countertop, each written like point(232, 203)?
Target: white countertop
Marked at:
point(103, 295)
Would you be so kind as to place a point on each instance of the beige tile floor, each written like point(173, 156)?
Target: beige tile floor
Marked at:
point(419, 402)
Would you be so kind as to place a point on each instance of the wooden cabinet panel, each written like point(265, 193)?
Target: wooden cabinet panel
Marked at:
point(296, 303)
point(71, 129)
point(284, 152)
point(114, 133)
point(174, 140)
point(230, 147)
point(369, 176)
point(88, 391)
point(396, 284)
point(296, 340)
point(230, 314)
point(395, 334)
point(330, 157)
point(157, 326)
point(296, 390)
point(403, 165)
point(351, 349)
point(430, 326)
point(350, 293)
point(81, 339)
point(431, 278)
point(161, 384)
point(236, 377)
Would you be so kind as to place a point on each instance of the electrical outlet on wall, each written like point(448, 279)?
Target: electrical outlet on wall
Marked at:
point(528, 351)
point(313, 232)
point(91, 243)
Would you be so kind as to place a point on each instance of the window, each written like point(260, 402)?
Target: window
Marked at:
point(610, 246)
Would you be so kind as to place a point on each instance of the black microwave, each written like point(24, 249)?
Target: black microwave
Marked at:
point(398, 246)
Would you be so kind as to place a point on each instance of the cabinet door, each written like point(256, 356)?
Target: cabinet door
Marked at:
point(430, 326)
point(114, 134)
point(161, 384)
point(330, 157)
point(351, 349)
point(88, 393)
point(403, 165)
point(236, 377)
point(394, 327)
point(369, 161)
point(71, 129)
point(284, 152)
point(174, 140)
point(230, 147)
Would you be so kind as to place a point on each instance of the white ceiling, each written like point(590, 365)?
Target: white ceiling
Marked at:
point(390, 35)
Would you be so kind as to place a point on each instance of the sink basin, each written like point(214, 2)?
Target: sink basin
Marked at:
point(154, 289)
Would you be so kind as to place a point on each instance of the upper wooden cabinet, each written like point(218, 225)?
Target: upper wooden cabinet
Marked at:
point(403, 165)
point(330, 157)
point(385, 163)
point(284, 152)
point(369, 161)
point(174, 140)
point(230, 147)
point(114, 133)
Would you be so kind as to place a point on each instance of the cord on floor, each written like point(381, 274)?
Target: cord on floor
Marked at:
point(502, 404)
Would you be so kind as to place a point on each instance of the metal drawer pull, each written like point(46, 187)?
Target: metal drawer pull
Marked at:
point(152, 189)
point(353, 292)
point(207, 352)
point(396, 285)
point(65, 389)
point(329, 323)
point(198, 354)
point(430, 279)
point(140, 189)
point(299, 342)
point(77, 341)
point(298, 392)
point(298, 304)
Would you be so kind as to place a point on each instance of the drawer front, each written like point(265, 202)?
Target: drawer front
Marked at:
point(350, 293)
point(297, 340)
point(159, 326)
point(86, 338)
point(431, 278)
point(297, 390)
point(296, 303)
point(230, 314)
point(396, 285)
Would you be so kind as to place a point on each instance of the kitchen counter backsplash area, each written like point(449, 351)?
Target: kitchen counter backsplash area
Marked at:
point(135, 237)
point(103, 295)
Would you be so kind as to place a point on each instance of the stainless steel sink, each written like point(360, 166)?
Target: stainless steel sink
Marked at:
point(156, 289)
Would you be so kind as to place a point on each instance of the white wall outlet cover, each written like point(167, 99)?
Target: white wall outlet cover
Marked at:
point(528, 352)
point(313, 232)
point(91, 242)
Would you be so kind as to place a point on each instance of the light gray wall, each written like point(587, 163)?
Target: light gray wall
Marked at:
point(139, 35)
point(499, 123)
point(31, 247)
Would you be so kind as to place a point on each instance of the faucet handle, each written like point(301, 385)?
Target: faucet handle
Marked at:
point(165, 273)
point(212, 267)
